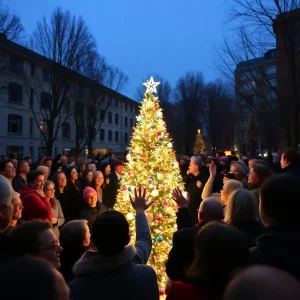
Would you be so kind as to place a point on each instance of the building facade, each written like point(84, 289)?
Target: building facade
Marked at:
point(25, 102)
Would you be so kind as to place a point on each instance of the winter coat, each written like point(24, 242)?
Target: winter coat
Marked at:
point(91, 213)
point(114, 187)
point(74, 203)
point(18, 182)
point(279, 247)
point(35, 207)
point(292, 170)
point(57, 213)
point(122, 276)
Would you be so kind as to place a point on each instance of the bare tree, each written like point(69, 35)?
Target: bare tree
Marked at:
point(10, 24)
point(190, 94)
point(67, 43)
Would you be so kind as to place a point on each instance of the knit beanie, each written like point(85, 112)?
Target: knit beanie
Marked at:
point(88, 190)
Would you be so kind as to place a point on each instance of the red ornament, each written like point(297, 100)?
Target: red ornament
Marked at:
point(165, 203)
point(133, 134)
point(124, 188)
point(158, 133)
point(168, 134)
point(161, 292)
point(158, 218)
point(172, 150)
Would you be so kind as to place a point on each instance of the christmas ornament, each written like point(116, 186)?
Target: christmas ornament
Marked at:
point(130, 216)
point(151, 85)
point(155, 193)
point(159, 239)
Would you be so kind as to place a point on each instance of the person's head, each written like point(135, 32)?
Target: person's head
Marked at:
point(23, 167)
point(44, 170)
point(238, 169)
point(17, 207)
point(32, 278)
point(72, 174)
point(107, 225)
point(288, 157)
point(92, 167)
point(98, 179)
point(263, 283)
point(48, 162)
point(7, 169)
point(14, 161)
point(63, 160)
point(36, 238)
point(88, 175)
point(229, 187)
point(36, 180)
point(60, 180)
point(251, 162)
point(105, 168)
point(49, 189)
point(74, 235)
point(279, 201)
point(90, 196)
point(210, 209)
point(6, 209)
point(29, 160)
point(258, 174)
point(195, 165)
point(119, 167)
point(82, 166)
point(220, 249)
point(241, 206)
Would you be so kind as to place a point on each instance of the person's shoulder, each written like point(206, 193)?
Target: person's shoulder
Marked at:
point(184, 233)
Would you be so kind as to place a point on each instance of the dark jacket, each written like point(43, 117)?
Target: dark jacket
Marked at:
point(5, 247)
point(74, 203)
point(279, 247)
point(91, 213)
point(114, 187)
point(18, 182)
point(292, 170)
point(123, 276)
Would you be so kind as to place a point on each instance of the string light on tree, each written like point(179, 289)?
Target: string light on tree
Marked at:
point(151, 163)
point(199, 146)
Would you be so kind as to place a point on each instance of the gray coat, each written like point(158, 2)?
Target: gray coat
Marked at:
point(57, 213)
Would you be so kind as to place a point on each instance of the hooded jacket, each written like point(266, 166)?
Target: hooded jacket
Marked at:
point(279, 247)
point(35, 207)
point(91, 213)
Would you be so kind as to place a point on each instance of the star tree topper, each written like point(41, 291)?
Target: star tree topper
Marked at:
point(151, 85)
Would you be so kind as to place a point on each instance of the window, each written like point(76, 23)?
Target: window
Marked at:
point(31, 97)
point(109, 135)
point(30, 126)
point(126, 137)
point(110, 117)
point(15, 124)
point(46, 100)
point(247, 75)
point(16, 65)
point(272, 96)
point(271, 69)
point(131, 122)
point(126, 106)
point(102, 115)
point(44, 127)
point(250, 86)
point(46, 76)
point(116, 119)
point(66, 105)
point(116, 102)
point(15, 93)
point(273, 82)
point(125, 121)
point(32, 70)
point(116, 136)
point(102, 134)
point(18, 150)
point(66, 130)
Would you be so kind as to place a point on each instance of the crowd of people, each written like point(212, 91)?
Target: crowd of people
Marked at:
point(237, 236)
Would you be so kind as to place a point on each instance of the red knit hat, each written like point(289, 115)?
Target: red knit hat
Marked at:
point(88, 190)
point(118, 163)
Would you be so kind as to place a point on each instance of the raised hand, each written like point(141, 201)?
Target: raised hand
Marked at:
point(180, 199)
point(213, 169)
point(139, 202)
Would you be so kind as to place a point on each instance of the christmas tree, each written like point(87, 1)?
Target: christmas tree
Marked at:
point(199, 146)
point(251, 136)
point(151, 163)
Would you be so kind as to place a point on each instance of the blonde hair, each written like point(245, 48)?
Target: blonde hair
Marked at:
point(242, 206)
point(232, 185)
point(15, 195)
point(241, 168)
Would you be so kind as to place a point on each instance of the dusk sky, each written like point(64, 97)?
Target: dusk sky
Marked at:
point(143, 37)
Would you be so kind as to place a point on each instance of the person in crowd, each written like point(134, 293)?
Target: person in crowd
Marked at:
point(242, 213)
point(196, 178)
point(81, 168)
point(32, 278)
point(35, 204)
point(29, 160)
point(105, 168)
point(263, 283)
point(290, 163)
point(74, 199)
point(36, 238)
point(17, 213)
point(86, 179)
point(99, 273)
point(15, 162)
point(58, 218)
point(60, 183)
point(114, 178)
point(220, 250)
point(238, 171)
point(97, 184)
point(259, 173)
point(183, 250)
point(75, 240)
point(279, 206)
point(47, 162)
point(229, 186)
point(20, 180)
point(92, 167)
point(8, 170)
point(93, 207)
point(44, 170)
point(184, 165)
point(6, 210)
point(107, 189)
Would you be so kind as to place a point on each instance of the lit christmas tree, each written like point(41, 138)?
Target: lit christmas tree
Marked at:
point(199, 146)
point(151, 163)
point(251, 136)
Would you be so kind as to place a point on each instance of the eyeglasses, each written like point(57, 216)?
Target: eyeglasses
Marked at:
point(18, 205)
point(52, 247)
point(50, 190)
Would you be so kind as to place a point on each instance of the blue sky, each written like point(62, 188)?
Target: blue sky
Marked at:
point(142, 37)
